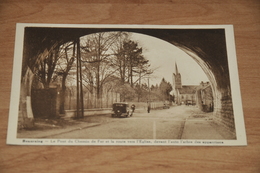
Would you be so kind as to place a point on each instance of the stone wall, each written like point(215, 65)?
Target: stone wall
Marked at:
point(224, 114)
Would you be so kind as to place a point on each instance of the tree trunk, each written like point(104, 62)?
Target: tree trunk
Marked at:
point(62, 95)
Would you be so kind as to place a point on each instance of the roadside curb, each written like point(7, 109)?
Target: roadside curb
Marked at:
point(54, 132)
point(72, 130)
point(200, 128)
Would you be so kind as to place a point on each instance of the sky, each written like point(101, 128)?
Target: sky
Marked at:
point(162, 57)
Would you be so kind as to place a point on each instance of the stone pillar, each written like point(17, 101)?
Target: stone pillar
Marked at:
point(25, 117)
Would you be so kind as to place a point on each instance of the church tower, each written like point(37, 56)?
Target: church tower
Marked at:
point(176, 84)
point(177, 78)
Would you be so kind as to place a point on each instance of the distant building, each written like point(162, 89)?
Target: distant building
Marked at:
point(187, 94)
point(184, 94)
point(205, 97)
point(200, 95)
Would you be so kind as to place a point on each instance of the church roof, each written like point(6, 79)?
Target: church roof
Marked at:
point(188, 89)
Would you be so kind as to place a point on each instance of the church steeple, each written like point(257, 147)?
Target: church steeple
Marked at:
point(176, 69)
point(177, 75)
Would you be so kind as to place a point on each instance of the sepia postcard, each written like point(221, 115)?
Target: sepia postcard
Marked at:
point(125, 85)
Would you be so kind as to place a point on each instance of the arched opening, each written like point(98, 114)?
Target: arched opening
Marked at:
point(206, 46)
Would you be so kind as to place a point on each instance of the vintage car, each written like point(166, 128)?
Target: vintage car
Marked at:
point(121, 109)
point(188, 102)
point(166, 106)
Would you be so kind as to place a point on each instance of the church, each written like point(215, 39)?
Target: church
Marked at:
point(184, 94)
point(200, 95)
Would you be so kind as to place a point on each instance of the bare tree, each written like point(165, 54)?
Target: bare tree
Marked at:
point(64, 65)
point(45, 65)
point(96, 57)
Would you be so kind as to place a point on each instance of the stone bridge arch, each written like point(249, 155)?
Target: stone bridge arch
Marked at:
point(206, 46)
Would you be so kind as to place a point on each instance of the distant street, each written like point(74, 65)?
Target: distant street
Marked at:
point(158, 124)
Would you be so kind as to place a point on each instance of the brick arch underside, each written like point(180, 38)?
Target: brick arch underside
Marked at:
point(206, 46)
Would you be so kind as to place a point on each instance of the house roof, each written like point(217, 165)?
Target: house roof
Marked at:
point(188, 89)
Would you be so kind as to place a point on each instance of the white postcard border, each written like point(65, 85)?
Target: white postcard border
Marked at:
point(234, 81)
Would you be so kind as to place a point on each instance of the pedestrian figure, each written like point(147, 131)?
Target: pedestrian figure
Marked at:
point(133, 107)
point(148, 109)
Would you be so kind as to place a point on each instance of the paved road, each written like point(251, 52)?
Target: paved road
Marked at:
point(158, 124)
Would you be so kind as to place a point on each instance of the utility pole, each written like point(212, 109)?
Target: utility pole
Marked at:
point(77, 64)
point(149, 90)
point(149, 98)
point(80, 101)
point(81, 85)
point(139, 83)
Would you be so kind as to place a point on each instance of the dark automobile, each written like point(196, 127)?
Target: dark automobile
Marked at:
point(121, 109)
point(166, 106)
point(188, 102)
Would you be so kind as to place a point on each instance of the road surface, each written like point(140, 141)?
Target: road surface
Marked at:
point(158, 124)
